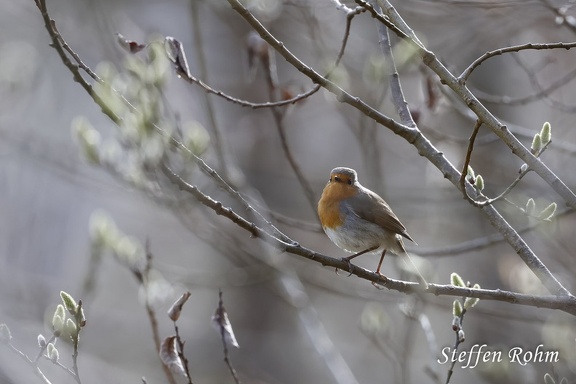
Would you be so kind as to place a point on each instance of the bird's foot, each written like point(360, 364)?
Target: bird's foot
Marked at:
point(350, 266)
point(378, 286)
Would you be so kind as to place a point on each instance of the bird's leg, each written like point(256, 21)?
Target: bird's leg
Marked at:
point(360, 253)
point(380, 263)
point(347, 259)
point(378, 269)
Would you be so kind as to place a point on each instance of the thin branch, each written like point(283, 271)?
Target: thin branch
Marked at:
point(350, 14)
point(65, 368)
point(501, 196)
point(181, 353)
point(221, 311)
point(515, 48)
point(342, 7)
point(43, 349)
point(269, 104)
point(464, 171)
point(394, 79)
point(76, 341)
point(30, 362)
point(457, 342)
point(57, 44)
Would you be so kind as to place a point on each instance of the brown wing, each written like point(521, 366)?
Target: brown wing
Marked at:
point(380, 214)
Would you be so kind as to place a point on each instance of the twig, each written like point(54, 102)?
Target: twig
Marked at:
point(30, 362)
point(459, 335)
point(394, 79)
point(269, 104)
point(75, 342)
point(464, 171)
point(43, 349)
point(350, 14)
point(341, 6)
point(515, 48)
point(181, 353)
point(221, 311)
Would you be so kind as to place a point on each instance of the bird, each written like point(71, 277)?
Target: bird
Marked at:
point(358, 220)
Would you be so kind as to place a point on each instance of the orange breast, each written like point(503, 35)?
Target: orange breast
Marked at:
point(329, 204)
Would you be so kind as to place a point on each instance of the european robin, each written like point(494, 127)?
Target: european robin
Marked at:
point(358, 220)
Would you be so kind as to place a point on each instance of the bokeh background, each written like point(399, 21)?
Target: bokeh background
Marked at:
point(295, 321)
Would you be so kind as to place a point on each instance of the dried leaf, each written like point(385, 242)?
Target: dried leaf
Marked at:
point(175, 52)
point(176, 308)
point(169, 356)
point(221, 323)
point(129, 45)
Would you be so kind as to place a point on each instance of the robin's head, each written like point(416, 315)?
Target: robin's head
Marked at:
point(343, 184)
point(344, 176)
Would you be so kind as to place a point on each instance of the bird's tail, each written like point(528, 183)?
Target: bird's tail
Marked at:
point(414, 269)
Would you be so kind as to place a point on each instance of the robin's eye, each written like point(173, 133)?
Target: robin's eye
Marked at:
point(349, 181)
point(337, 179)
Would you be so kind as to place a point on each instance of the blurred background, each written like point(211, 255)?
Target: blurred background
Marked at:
point(295, 321)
